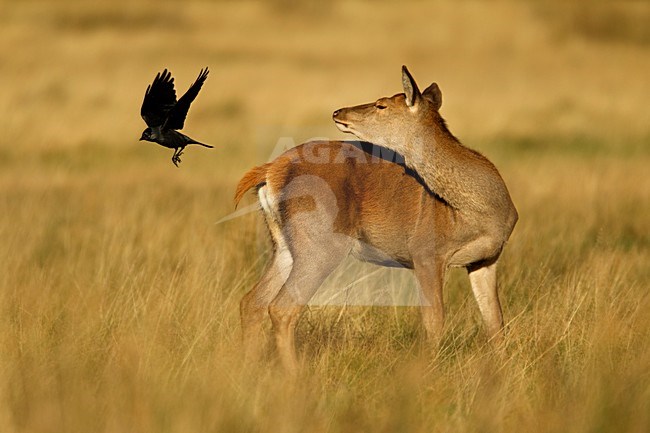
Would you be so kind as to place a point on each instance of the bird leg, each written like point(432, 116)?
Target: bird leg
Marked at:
point(176, 156)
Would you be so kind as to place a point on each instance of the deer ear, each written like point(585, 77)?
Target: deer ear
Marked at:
point(410, 88)
point(433, 94)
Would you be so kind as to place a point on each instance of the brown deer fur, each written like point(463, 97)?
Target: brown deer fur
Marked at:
point(325, 200)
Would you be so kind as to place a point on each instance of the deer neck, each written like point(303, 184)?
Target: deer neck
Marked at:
point(460, 176)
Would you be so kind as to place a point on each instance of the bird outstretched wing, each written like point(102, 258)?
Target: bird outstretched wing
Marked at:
point(159, 99)
point(176, 117)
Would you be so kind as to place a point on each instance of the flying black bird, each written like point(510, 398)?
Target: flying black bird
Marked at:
point(164, 115)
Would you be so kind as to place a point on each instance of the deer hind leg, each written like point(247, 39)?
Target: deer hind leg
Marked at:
point(483, 278)
point(254, 305)
point(430, 276)
point(309, 271)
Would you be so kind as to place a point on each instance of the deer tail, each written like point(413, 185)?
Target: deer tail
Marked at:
point(255, 177)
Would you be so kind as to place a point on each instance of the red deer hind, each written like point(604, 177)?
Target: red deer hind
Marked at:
point(325, 200)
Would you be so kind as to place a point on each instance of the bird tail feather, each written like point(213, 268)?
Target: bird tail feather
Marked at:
point(202, 144)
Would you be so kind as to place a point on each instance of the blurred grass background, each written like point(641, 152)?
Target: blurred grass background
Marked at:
point(119, 294)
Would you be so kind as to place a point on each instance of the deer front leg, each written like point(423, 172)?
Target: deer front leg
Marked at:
point(484, 285)
point(430, 275)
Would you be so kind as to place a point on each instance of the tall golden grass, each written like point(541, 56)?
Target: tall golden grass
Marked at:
point(119, 293)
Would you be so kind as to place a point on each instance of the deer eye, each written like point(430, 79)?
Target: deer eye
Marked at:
point(380, 106)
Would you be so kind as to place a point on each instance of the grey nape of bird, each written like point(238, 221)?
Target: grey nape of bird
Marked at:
point(164, 115)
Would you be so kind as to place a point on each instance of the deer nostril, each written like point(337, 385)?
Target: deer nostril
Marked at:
point(336, 113)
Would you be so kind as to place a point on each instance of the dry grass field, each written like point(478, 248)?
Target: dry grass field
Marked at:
point(119, 292)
